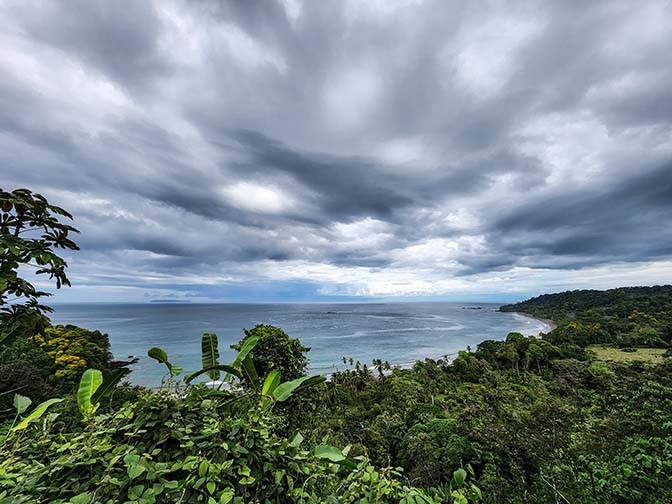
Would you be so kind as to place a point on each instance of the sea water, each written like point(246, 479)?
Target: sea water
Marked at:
point(400, 333)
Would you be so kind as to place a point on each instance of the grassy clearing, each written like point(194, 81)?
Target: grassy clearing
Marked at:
point(653, 355)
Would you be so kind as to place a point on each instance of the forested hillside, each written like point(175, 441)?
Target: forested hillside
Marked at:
point(594, 304)
point(628, 316)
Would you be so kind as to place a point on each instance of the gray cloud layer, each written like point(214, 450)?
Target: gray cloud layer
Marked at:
point(364, 148)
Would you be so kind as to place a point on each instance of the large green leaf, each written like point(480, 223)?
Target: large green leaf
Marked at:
point(110, 381)
point(21, 403)
point(271, 382)
point(251, 372)
point(329, 452)
point(247, 347)
point(286, 389)
point(160, 355)
point(210, 355)
point(221, 367)
point(459, 477)
point(335, 455)
point(89, 383)
point(36, 413)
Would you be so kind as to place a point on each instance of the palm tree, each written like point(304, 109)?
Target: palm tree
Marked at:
point(378, 364)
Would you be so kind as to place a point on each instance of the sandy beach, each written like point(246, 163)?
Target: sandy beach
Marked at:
point(550, 324)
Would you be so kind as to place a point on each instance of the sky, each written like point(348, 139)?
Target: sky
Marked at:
point(344, 150)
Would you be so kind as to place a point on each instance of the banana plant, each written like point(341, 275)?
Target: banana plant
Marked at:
point(210, 361)
point(93, 388)
point(227, 368)
point(271, 391)
point(91, 380)
point(160, 355)
point(245, 350)
point(210, 355)
point(110, 381)
point(270, 385)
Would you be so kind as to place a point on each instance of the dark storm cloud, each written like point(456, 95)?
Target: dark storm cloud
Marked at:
point(625, 220)
point(348, 187)
point(120, 40)
point(345, 186)
point(336, 141)
point(638, 199)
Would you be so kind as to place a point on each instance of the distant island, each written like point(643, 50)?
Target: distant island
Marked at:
point(170, 301)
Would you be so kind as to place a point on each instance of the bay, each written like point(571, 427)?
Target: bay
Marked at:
point(400, 333)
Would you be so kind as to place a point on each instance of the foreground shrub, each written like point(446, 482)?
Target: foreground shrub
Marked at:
point(165, 449)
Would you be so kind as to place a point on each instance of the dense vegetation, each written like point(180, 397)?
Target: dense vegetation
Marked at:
point(521, 420)
point(625, 317)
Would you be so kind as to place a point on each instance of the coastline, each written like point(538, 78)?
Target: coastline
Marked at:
point(551, 324)
point(440, 329)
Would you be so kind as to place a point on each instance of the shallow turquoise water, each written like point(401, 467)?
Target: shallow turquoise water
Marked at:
point(398, 332)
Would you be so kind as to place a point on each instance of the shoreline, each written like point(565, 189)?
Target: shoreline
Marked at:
point(551, 324)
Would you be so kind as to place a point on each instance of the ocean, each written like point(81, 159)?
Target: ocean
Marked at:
point(400, 333)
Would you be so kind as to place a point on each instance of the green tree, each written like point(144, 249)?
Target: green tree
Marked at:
point(468, 366)
point(30, 233)
point(276, 350)
point(510, 355)
point(539, 352)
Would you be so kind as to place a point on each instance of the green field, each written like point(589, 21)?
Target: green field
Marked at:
point(654, 355)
